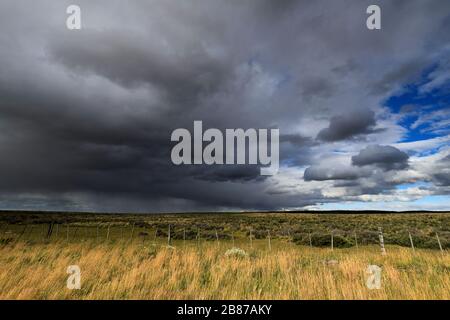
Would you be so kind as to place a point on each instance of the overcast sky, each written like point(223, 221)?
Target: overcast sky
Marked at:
point(86, 115)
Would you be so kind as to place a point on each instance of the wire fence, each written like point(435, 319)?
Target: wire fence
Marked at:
point(181, 235)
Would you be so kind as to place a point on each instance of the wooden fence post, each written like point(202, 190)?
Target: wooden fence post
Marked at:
point(332, 241)
point(439, 242)
point(30, 233)
point(168, 237)
point(132, 232)
point(107, 233)
point(21, 234)
point(270, 245)
point(380, 236)
point(49, 230)
point(411, 240)
point(217, 238)
point(251, 240)
point(232, 238)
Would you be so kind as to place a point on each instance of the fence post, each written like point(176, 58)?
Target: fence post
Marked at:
point(144, 236)
point(21, 234)
point(439, 242)
point(30, 233)
point(217, 238)
point(270, 245)
point(168, 237)
point(49, 230)
point(380, 235)
point(156, 234)
point(411, 240)
point(198, 237)
point(332, 241)
point(132, 232)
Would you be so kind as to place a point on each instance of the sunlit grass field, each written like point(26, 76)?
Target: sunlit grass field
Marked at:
point(286, 256)
point(191, 270)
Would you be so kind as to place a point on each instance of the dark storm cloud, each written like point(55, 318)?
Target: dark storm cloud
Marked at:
point(347, 183)
point(320, 173)
point(385, 157)
point(399, 75)
point(295, 149)
point(346, 68)
point(86, 116)
point(349, 125)
point(236, 173)
point(441, 172)
point(131, 61)
point(443, 178)
point(316, 87)
point(296, 140)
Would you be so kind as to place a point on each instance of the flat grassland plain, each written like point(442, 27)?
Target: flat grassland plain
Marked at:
point(189, 256)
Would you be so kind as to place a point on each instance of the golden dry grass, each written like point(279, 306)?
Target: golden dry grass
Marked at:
point(124, 270)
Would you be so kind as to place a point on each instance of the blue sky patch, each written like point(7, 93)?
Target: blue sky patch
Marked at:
point(431, 107)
